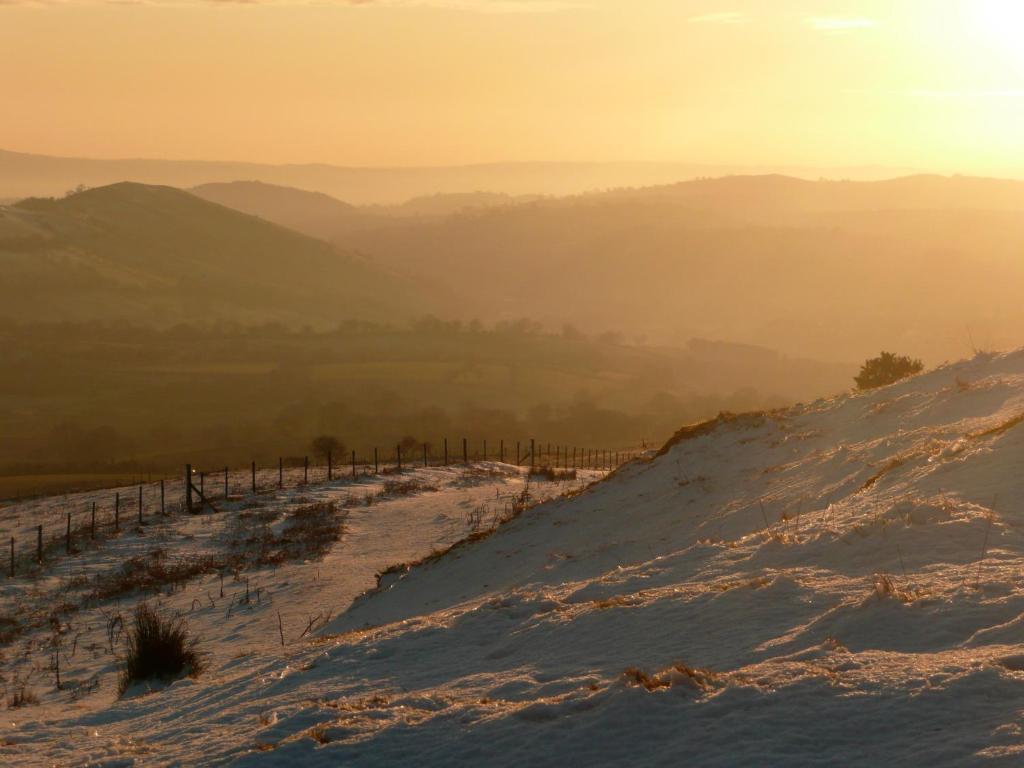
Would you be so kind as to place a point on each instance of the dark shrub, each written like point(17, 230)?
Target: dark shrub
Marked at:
point(887, 368)
point(158, 648)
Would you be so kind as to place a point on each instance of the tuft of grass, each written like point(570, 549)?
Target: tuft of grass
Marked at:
point(151, 573)
point(700, 679)
point(553, 473)
point(22, 697)
point(319, 734)
point(158, 649)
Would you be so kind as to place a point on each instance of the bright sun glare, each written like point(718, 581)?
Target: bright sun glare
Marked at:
point(1001, 23)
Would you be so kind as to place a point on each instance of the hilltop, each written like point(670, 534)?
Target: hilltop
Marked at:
point(160, 256)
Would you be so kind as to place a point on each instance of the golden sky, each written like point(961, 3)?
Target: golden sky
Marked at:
point(927, 84)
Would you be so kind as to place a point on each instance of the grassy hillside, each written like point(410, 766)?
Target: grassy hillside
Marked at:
point(161, 256)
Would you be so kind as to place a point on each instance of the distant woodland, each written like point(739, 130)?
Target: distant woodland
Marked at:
point(105, 398)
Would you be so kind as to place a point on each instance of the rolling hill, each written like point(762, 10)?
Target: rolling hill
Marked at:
point(831, 270)
point(160, 256)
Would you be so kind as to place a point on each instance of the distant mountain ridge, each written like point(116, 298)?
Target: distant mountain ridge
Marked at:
point(23, 175)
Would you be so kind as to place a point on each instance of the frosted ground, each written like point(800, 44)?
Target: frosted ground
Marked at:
point(839, 583)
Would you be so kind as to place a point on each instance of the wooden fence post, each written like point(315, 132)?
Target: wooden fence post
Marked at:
point(117, 511)
point(254, 478)
point(517, 453)
point(398, 453)
point(424, 454)
point(162, 508)
point(225, 484)
point(485, 450)
point(280, 472)
point(353, 464)
point(501, 451)
point(140, 505)
point(188, 488)
point(305, 470)
point(376, 462)
point(533, 447)
point(446, 451)
point(465, 452)
point(330, 467)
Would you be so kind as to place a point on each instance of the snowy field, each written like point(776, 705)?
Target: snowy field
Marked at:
point(385, 519)
point(839, 583)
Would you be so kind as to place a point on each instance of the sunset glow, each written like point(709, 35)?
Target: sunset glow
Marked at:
point(915, 85)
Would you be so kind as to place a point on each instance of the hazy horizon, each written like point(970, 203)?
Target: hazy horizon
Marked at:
point(938, 88)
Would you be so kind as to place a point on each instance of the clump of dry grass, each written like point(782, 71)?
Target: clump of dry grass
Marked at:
point(10, 628)
point(308, 532)
point(319, 734)
point(894, 463)
point(151, 573)
point(553, 474)
point(884, 586)
point(679, 674)
point(23, 696)
point(158, 648)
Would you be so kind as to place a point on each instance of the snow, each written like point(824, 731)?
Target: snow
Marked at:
point(838, 583)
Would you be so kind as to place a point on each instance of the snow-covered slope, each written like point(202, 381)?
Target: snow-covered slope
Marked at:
point(839, 583)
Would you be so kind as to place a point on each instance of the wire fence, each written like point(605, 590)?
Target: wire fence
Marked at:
point(92, 517)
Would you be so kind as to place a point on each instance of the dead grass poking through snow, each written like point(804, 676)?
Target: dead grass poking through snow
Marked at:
point(677, 675)
point(884, 587)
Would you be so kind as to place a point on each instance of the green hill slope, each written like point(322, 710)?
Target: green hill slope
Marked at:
point(160, 256)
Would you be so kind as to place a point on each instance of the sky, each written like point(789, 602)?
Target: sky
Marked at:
point(933, 85)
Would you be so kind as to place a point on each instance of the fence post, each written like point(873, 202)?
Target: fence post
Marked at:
point(517, 453)
point(533, 446)
point(398, 453)
point(92, 524)
point(465, 452)
point(376, 462)
point(188, 488)
point(574, 457)
point(162, 509)
point(280, 472)
point(485, 450)
point(330, 467)
point(39, 545)
point(501, 451)
point(254, 478)
point(305, 470)
point(446, 451)
point(117, 511)
point(424, 454)
point(226, 489)
point(353, 464)
point(67, 537)
point(140, 505)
